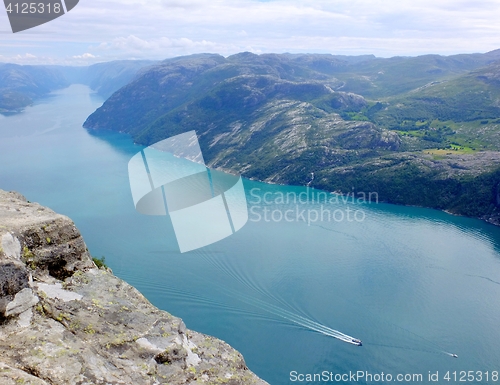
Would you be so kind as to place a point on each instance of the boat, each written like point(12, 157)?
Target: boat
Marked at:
point(454, 355)
point(355, 341)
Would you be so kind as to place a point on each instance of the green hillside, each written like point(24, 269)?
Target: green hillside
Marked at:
point(421, 131)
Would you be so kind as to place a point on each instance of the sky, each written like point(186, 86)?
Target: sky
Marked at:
point(96, 31)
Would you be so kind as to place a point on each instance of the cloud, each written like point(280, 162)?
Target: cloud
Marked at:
point(185, 4)
point(167, 47)
point(156, 29)
point(84, 56)
point(27, 57)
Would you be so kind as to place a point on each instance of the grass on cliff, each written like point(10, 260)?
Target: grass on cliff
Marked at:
point(100, 262)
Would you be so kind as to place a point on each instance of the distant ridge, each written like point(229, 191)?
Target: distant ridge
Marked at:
point(21, 85)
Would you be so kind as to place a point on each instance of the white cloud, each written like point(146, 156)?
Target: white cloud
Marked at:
point(157, 29)
point(84, 56)
point(27, 57)
point(161, 47)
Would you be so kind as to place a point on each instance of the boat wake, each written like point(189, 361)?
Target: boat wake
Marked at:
point(274, 310)
point(300, 320)
point(235, 273)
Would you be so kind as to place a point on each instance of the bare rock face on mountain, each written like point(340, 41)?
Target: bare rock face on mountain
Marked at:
point(64, 321)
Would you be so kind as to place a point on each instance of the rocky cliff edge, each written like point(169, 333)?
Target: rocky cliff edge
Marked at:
point(64, 321)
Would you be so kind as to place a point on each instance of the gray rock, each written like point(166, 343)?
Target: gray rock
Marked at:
point(11, 246)
point(49, 243)
point(14, 278)
point(23, 301)
point(92, 328)
point(13, 376)
point(25, 318)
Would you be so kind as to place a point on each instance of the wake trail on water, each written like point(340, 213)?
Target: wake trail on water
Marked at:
point(297, 319)
point(245, 281)
point(192, 298)
point(297, 316)
point(238, 277)
point(270, 308)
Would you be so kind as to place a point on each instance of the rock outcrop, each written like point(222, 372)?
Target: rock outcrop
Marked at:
point(64, 321)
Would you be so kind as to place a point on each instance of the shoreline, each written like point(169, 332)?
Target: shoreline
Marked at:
point(493, 220)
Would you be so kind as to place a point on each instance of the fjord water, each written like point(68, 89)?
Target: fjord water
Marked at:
point(411, 283)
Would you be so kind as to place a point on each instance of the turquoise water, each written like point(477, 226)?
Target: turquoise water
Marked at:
point(411, 283)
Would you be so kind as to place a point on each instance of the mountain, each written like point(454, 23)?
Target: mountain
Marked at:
point(463, 111)
point(174, 82)
point(381, 78)
point(469, 97)
point(21, 85)
point(106, 78)
point(416, 130)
